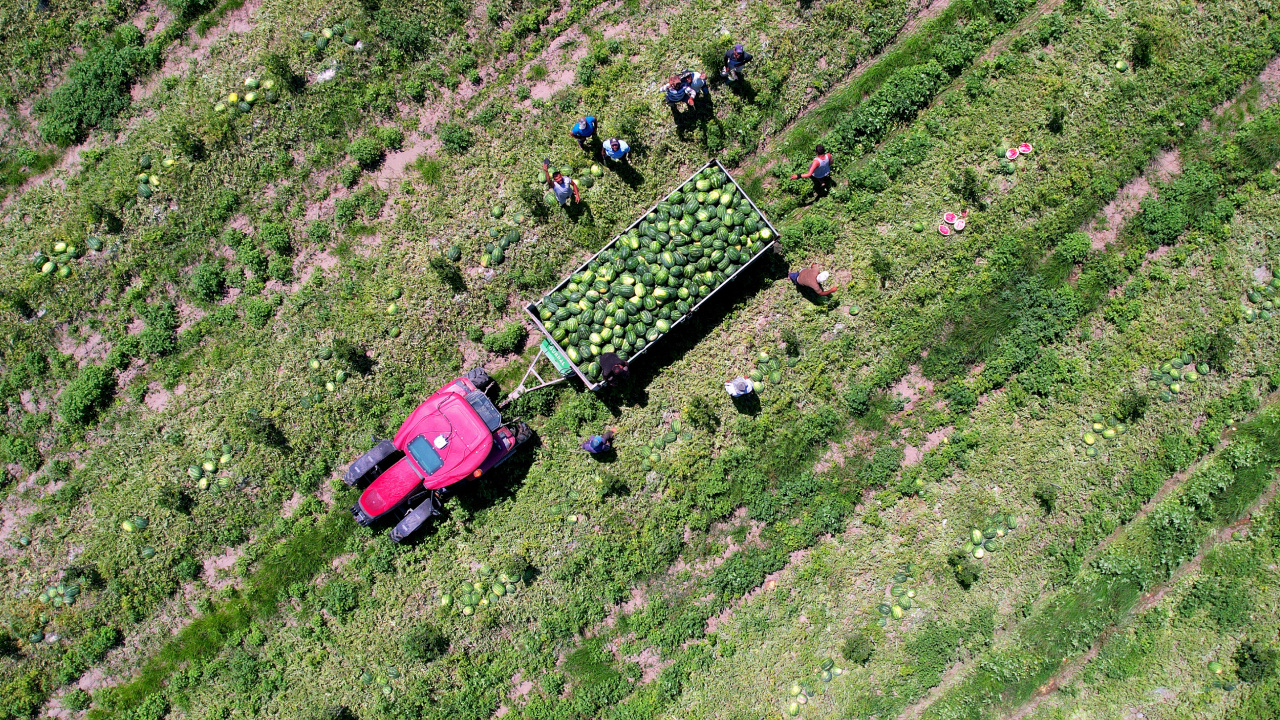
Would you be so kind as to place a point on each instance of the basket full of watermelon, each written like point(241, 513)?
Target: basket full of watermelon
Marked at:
point(656, 273)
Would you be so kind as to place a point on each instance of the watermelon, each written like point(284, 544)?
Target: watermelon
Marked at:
point(1024, 149)
point(950, 217)
point(587, 181)
point(944, 230)
point(496, 211)
point(597, 171)
point(1122, 66)
point(1011, 154)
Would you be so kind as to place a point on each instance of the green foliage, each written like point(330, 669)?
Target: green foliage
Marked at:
point(1189, 200)
point(87, 394)
point(699, 413)
point(1131, 406)
point(82, 656)
point(898, 100)
point(745, 570)
point(207, 283)
point(367, 151)
point(857, 648)
point(1224, 600)
point(963, 569)
point(424, 642)
point(1255, 661)
point(1259, 142)
point(1074, 247)
point(96, 89)
point(812, 233)
point(159, 335)
point(1047, 495)
point(456, 138)
point(447, 273)
point(76, 700)
point(508, 340)
point(391, 137)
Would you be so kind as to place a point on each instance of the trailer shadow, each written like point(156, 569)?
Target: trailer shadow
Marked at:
point(673, 346)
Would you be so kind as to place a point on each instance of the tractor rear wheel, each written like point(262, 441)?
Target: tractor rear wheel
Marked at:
point(479, 378)
point(371, 464)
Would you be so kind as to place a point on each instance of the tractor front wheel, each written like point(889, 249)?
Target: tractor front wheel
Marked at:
point(479, 378)
point(524, 433)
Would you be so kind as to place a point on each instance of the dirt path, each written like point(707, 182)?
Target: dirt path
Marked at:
point(1148, 601)
point(1001, 43)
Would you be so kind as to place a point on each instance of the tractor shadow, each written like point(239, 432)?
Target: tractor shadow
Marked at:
point(501, 483)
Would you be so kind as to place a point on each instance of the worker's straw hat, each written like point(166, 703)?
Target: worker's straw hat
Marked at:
point(822, 276)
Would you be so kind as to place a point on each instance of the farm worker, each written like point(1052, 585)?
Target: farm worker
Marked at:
point(597, 444)
point(734, 58)
point(678, 92)
point(812, 279)
point(819, 170)
point(739, 386)
point(565, 188)
point(615, 149)
point(584, 130)
point(696, 82)
point(613, 369)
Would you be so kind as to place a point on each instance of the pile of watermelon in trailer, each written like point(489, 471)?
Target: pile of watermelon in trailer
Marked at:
point(457, 434)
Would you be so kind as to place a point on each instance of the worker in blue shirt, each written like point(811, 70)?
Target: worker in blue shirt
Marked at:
point(584, 130)
point(615, 149)
point(597, 444)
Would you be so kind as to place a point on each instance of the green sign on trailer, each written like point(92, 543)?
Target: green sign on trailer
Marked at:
point(557, 358)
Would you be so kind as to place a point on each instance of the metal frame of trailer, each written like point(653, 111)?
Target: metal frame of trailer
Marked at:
point(556, 354)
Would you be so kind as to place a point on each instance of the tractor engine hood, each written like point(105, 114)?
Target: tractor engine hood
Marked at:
point(445, 440)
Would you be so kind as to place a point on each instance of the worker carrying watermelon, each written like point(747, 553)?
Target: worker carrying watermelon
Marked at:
point(613, 369)
point(564, 188)
point(819, 171)
point(734, 59)
point(811, 278)
point(597, 444)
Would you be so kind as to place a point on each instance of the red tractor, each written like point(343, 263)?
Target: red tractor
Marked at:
point(456, 434)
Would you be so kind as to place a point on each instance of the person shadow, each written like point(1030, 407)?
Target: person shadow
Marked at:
point(743, 88)
point(606, 457)
point(579, 212)
point(625, 171)
point(748, 404)
point(684, 117)
point(816, 299)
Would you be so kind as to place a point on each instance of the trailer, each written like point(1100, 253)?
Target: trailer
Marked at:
point(743, 223)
